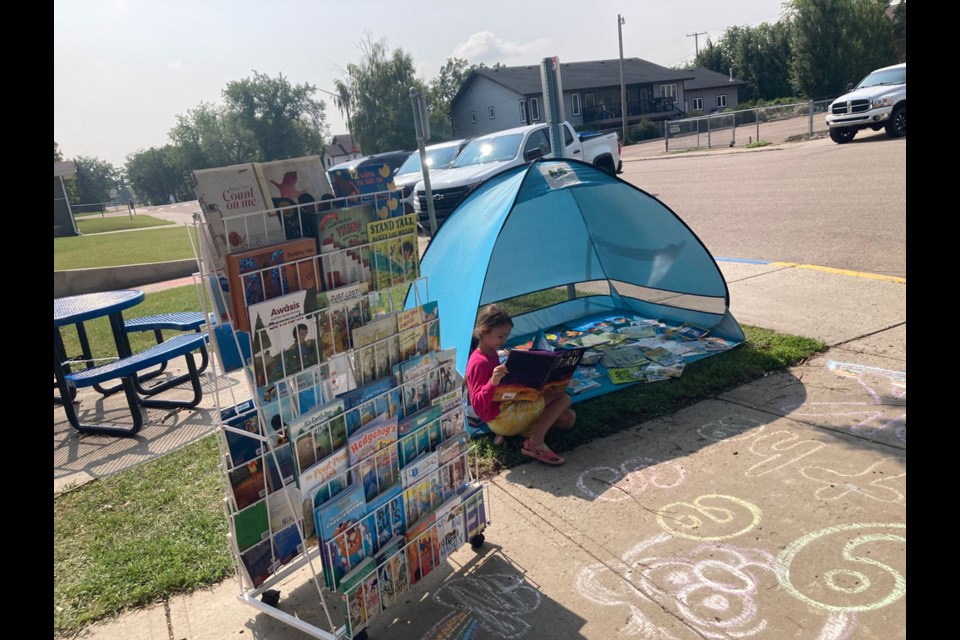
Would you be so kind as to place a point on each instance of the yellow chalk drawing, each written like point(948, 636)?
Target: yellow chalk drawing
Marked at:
point(839, 485)
point(846, 582)
point(673, 520)
point(781, 448)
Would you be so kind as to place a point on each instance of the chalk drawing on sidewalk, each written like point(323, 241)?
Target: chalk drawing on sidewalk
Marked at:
point(456, 625)
point(886, 488)
point(730, 428)
point(780, 449)
point(630, 479)
point(709, 517)
point(714, 589)
point(496, 601)
point(866, 584)
point(873, 414)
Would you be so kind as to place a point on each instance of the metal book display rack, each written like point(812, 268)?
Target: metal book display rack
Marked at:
point(337, 455)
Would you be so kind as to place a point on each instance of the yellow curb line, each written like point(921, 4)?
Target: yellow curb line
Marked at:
point(843, 272)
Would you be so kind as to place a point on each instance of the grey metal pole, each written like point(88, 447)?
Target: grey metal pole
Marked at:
point(421, 125)
point(709, 146)
point(810, 121)
point(756, 116)
point(666, 137)
point(623, 89)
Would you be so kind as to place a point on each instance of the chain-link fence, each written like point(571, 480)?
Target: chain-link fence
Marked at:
point(774, 124)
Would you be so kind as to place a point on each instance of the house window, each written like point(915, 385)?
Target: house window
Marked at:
point(697, 104)
point(575, 103)
point(523, 110)
point(473, 117)
point(534, 109)
point(722, 101)
point(669, 91)
point(490, 111)
point(589, 100)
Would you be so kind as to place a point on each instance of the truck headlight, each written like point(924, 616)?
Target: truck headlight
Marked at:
point(881, 102)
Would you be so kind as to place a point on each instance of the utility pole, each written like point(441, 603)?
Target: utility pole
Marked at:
point(696, 39)
point(623, 90)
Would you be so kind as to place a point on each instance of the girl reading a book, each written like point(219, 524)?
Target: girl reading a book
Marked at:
point(531, 419)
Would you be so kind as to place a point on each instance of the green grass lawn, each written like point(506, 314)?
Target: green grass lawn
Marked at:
point(119, 223)
point(114, 249)
point(143, 535)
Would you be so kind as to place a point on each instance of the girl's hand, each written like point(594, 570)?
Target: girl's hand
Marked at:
point(498, 372)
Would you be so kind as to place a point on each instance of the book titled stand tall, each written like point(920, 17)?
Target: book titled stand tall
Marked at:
point(343, 448)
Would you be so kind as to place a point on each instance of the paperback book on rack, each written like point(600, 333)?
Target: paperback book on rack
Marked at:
point(298, 189)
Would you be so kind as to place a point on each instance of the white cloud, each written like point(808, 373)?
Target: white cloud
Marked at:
point(485, 47)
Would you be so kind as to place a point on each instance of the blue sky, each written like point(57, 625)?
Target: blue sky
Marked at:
point(125, 69)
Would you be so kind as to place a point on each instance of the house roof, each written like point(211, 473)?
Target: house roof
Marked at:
point(707, 79)
point(578, 75)
point(342, 145)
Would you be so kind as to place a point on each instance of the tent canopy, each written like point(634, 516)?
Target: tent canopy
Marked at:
point(600, 243)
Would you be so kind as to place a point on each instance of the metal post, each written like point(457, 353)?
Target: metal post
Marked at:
point(756, 116)
point(623, 89)
point(698, 131)
point(810, 121)
point(708, 133)
point(666, 137)
point(421, 125)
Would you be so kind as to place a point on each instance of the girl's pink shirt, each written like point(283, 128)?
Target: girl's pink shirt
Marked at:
point(480, 367)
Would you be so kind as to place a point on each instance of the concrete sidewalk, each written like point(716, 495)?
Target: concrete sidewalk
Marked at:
point(775, 510)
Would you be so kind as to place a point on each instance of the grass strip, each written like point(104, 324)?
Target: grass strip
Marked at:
point(119, 249)
point(119, 223)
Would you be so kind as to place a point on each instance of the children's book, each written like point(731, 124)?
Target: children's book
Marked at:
point(269, 272)
point(452, 458)
point(394, 576)
point(251, 525)
point(474, 510)
point(282, 507)
point(319, 483)
point(377, 349)
point(344, 249)
point(451, 526)
point(713, 344)
point(625, 356)
point(258, 562)
point(237, 211)
point(431, 318)
point(361, 592)
point(243, 447)
point(248, 483)
point(638, 331)
point(373, 455)
point(385, 516)
point(287, 544)
point(579, 385)
point(626, 375)
point(345, 538)
point(280, 471)
point(662, 356)
point(393, 250)
point(412, 332)
point(363, 404)
point(296, 188)
point(414, 433)
point(339, 373)
point(421, 486)
point(339, 312)
point(534, 372)
point(423, 547)
point(420, 377)
point(686, 331)
point(452, 419)
point(284, 338)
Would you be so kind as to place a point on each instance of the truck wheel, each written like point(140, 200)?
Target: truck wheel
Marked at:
point(897, 125)
point(841, 136)
point(606, 164)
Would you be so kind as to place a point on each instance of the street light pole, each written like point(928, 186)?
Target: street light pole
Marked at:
point(623, 90)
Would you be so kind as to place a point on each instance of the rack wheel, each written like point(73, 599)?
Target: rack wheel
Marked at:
point(477, 541)
point(270, 597)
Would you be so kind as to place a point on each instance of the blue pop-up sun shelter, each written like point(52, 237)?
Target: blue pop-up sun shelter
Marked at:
point(609, 246)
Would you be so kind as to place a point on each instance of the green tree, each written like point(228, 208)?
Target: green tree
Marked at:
point(760, 56)
point(158, 173)
point(900, 30)
point(94, 179)
point(212, 136)
point(282, 120)
point(714, 57)
point(375, 98)
point(57, 154)
point(441, 92)
point(835, 42)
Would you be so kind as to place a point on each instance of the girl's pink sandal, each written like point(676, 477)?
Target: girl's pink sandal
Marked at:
point(541, 453)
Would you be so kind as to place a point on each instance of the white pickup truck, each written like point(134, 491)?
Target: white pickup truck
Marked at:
point(879, 101)
point(490, 154)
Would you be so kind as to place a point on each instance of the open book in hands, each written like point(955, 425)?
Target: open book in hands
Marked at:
point(533, 372)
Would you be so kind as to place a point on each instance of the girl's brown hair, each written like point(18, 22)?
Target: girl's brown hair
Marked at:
point(491, 316)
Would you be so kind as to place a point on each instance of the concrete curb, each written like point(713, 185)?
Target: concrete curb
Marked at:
point(77, 281)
